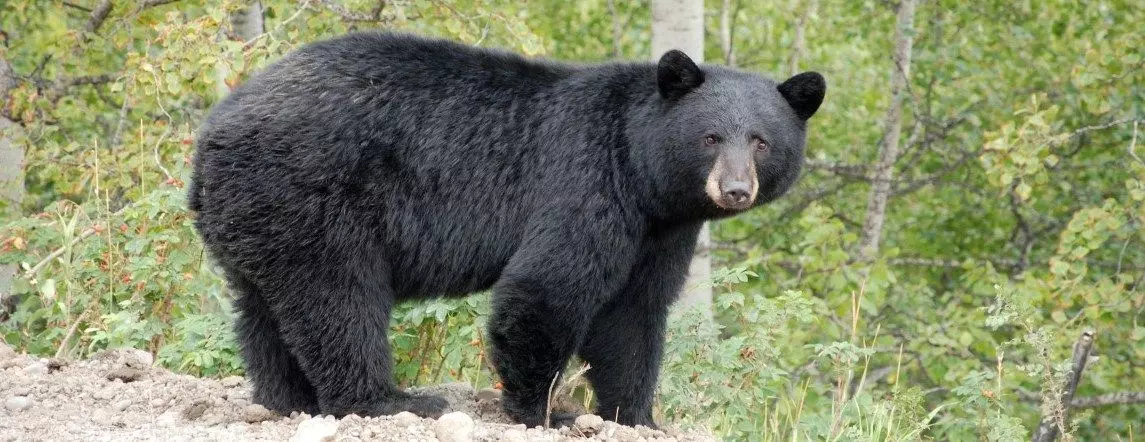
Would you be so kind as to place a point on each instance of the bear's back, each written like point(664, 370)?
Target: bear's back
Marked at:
point(426, 150)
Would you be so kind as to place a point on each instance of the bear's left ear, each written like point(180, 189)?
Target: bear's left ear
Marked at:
point(677, 74)
point(804, 92)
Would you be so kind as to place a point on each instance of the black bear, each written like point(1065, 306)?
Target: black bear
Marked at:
point(373, 168)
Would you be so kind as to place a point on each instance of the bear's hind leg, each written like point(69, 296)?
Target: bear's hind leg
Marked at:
point(338, 330)
point(278, 381)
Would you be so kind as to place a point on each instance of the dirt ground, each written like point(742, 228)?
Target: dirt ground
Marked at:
point(118, 395)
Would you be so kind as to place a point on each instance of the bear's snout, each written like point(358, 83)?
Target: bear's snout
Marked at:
point(737, 194)
point(732, 181)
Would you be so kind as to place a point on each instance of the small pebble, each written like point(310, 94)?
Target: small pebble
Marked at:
point(316, 430)
point(405, 419)
point(196, 410)
point(648, 433)
point(125, 374)
point(231, 381)
point(169, 417)
point(100, 417)
point(121, 405)
point(140, 358)
point(21, 391)
point(36, 369)
point(257, 413)
point(106, 393)
point(514, 435)
point(625, 433)
point(454, 427)
point(588, 423)
point(158, 402)
point(18, 403)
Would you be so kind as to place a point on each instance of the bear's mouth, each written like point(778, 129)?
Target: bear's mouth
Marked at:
point(727, 203)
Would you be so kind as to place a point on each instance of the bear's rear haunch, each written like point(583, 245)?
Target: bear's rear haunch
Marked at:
point(374, 168)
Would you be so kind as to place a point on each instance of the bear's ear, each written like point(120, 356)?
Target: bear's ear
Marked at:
point(804, 92)
point(676, 75)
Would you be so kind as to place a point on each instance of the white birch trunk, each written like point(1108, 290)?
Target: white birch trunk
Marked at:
point(679, 24)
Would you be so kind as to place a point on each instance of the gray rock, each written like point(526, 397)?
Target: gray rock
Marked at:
point(454, 427)
point(17, 403)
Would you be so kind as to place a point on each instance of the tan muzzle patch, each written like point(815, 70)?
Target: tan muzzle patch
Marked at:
point(719, 170)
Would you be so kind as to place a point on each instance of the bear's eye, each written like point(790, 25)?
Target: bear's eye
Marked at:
point(760, 144)
point(711, 140)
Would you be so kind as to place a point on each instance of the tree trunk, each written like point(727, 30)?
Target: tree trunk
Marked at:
point(889, 147)
point(727, 20)
point(11, 174)
point(617, 29)
point(679, 24)
point(246, 24)
point(799, 45)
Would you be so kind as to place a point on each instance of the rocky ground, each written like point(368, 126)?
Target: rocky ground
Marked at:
point(119, 396)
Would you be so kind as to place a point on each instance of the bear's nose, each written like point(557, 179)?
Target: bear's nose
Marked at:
point(737, 192)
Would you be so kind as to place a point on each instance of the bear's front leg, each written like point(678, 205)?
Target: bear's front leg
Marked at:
point(625, 342)
point(543, 305)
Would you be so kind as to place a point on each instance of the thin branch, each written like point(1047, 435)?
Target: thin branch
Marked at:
point(1133, 145)
point(903, 188)
point(351, 16)
point(1084, 130)
point(1054, 422)
point(98, 15)
point(856, 171)
point(60, 87)
point(1120, 398)
point(955, 262)
point(75, 6)
point(31, 273)
point(153, 3)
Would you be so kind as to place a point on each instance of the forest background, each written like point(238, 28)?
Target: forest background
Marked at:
point(963, 258)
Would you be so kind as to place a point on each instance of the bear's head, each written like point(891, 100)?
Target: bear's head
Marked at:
point(720, 141)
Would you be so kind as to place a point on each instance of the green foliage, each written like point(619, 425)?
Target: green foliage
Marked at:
point(1016, 221)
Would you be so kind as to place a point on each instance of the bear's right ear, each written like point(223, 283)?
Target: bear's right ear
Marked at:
point(676, 75)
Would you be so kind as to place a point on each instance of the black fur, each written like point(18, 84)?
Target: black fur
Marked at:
point(373, 168)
